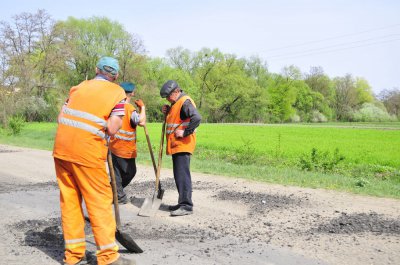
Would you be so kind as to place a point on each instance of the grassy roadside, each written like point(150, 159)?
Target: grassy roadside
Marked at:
point(272, 153)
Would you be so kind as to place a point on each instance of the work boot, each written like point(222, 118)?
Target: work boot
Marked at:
point(181, 211)
point(124, 261)
point(173, 207)
point(81, 262)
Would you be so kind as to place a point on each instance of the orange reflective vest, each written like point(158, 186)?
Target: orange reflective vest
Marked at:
point(123, 143)
point(179, 145)
point(80, 136)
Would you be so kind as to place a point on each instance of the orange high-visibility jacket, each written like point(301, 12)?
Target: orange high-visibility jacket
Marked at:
point(174, 122)
point(80, 136)
point(124, 142)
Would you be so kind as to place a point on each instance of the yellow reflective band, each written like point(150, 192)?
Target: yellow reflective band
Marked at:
point(72, 241)
point(85, 115)
point(126, 132)
point(124, 138)
point(83, 126)
point(115, 248)
point(109, 246)
point(77, 245)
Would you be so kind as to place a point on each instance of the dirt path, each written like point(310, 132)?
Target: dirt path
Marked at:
point(235, 221)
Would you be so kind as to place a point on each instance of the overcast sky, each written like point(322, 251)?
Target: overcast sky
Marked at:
point(360, 37)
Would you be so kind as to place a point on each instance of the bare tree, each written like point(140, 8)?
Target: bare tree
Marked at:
point(26, 47)
point(391, 100)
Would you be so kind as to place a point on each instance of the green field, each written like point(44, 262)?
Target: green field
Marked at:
point(359, 146)
point(370, 153)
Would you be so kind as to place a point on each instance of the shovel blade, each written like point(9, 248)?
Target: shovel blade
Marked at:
point(125, 240)
point(150, 206)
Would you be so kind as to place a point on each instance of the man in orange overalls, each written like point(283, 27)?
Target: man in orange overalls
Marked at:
point(93, 110)
point(182, 120)
point(123, 144)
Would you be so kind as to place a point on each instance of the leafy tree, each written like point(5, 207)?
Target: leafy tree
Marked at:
point(281, 96)
point(307, 101)
point(40, 59)
point(206, 62)
point(319, 82)
point(182, 59)
point(364, 91)
point(345, 97)
point(86, 40)
point(291, 72)
point(257, 69)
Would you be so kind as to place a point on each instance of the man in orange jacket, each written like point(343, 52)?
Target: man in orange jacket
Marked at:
point(93, 110)
point(123, 144)
point(182, 120)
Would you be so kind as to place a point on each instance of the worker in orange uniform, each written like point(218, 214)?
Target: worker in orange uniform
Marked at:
point(123, 144)
point(182, 120)
point(94, 109)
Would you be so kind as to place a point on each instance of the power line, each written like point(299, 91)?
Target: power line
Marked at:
point(330, 38)
point(335, 50)
point(333, 46)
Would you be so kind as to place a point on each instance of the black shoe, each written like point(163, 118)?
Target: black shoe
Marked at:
point(181, 211)
point(173, 207)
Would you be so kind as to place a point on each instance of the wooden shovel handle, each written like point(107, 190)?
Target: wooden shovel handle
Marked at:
point(114, 189)
point(160, 153)
point(150, 149)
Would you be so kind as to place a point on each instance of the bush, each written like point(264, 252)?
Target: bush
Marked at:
point(35, 108)
point(374, 171)
point(361, 182)
point(16, 123)
point(320, 161)
point(295, 118)
point(317, 116)
point(369, 112)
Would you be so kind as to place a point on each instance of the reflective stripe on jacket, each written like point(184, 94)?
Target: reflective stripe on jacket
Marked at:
point(81, 129)
point(179, 145)
point(123, 143)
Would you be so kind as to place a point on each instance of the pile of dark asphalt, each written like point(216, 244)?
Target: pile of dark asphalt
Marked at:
point(360, 223)
point(47, 233)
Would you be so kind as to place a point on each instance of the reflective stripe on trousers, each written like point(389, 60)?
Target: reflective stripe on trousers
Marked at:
point(75, 243)
point(77, 182)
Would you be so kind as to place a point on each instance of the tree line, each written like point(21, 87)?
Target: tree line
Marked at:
point(40, 59)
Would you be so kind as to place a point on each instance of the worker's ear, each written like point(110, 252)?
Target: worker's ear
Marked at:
point(116, 77)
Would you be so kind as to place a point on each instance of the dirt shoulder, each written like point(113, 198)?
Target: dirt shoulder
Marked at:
point(234, 222)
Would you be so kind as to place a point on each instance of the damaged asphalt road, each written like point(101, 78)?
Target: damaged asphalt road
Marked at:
point(234, 221)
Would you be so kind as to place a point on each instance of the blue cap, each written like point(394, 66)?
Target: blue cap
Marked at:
point(128, 86)
point(109, 65)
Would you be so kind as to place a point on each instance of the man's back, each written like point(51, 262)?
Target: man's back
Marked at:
point(81, 131)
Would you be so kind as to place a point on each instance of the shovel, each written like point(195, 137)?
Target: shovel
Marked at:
point(161, 191)
point(121, 237)
point(151, 205)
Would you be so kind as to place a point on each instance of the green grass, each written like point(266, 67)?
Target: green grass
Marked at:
point(358, 145)
point(271, 153)
point(33, 135)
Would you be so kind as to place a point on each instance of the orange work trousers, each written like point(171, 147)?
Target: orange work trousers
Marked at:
point(93, 185)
